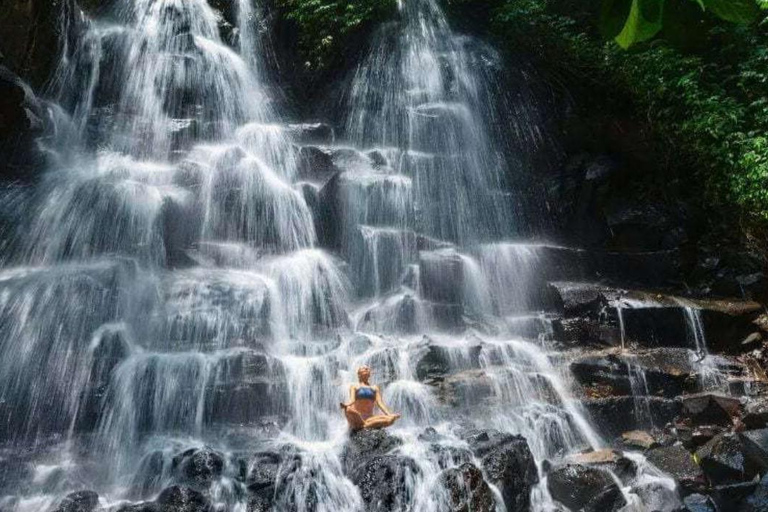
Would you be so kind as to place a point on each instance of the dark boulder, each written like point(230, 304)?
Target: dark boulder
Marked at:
point(365, 444)
point(81, 501)
point(581, 487)
point(262, 475)
point(311, 133)
point(467, 490)
point(722, 460)
point(616, 415)
point(436, 362)
point(22, 121)
point(182, 499)
point(710, 409)
point(199, 466)
point(754, 445)
point(606, 370)
point(315, 164)
point(758, 500)
point(678, 463)
point(441, 276)
point(731, 496)
point(149, 506)
point(698, 503)
point(383, 482)
point(147, 480)
point(508, 463)
point(756, 414)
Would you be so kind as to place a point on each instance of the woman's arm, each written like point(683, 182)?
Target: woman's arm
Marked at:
point(352, 398)
point(380, 402)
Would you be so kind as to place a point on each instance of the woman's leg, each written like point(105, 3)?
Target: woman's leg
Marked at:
point(381, 421)
point(354, 419)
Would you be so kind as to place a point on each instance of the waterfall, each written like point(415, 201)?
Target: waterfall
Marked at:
point(178, 289)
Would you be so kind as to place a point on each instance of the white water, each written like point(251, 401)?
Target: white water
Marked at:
point(171, 293)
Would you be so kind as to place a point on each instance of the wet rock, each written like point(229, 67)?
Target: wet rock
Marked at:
point(148, 477)
point(581, 487)
point(607, 459)
point(607, 370)
point(467, 490)
point(615, 415)
point(605, 456)
point(644, 226)
point(678, 463)
point(754, 445)
point(180, 227)
point(508, 463)
point(22, 118)
point(315, 164)
point(262, 474)
point(756, 414)
point(182, 499)
point(758, 500)
point(383, 480)
point(698, 503)
point(149, 506)
point(311, 133)
point(722, 460)
point(199, 467)
point(441, 276)
point(436, 362)
point(638, 439)
point(731, 496)
point(259, 504)
point(700, 436)
point(587, 332)
point(81, 501)
point(710, 409)
point(364, 444)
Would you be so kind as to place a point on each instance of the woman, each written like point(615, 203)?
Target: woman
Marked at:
point(363, 398)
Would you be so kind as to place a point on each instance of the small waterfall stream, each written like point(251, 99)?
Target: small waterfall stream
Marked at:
point(174, 290)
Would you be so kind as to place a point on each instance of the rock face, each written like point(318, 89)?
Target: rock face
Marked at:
point(380, 475)
point(722, 460)
point(678, 463)
point(182, 499)
point(82, 501)
point(22, 120)
point(382, 481)
point(581, 487)
point(467, 490)
point(199, 467)
point(508, 463)
point(710, 409)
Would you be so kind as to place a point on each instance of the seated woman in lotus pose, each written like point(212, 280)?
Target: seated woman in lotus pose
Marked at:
point(363, 398)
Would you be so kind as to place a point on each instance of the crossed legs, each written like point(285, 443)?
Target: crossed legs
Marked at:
point(356, 421)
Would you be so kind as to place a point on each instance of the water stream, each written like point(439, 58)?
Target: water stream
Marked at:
point(172, 291)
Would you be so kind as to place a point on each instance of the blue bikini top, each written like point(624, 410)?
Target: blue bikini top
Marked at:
point(365, 393)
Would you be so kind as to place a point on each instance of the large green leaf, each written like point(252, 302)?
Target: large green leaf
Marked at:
point(736, 11)
point(644, 22)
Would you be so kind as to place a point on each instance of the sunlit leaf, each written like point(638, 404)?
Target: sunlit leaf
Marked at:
point(644, 22)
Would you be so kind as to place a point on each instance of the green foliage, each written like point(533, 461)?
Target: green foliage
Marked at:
point(324, 26)
point(635, 21)
point(709, 104)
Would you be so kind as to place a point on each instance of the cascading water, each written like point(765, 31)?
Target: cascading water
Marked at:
point(171, 294)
